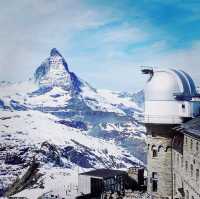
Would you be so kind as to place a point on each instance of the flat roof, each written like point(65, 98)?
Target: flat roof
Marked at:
point(192, 128)
point(104, 173)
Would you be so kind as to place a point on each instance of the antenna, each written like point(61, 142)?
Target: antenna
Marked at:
point(147, 69)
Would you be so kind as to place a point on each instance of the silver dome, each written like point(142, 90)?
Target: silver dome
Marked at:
point(168, 84)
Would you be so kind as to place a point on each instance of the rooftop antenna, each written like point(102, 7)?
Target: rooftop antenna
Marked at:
point(147, 70)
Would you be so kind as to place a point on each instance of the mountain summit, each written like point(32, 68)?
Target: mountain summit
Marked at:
point(54, 52)
point(54, 72)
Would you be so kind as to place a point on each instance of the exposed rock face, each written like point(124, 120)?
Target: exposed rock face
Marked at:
point(139, 98)
point(54, 72)
point(49, 153)
point(28, 179)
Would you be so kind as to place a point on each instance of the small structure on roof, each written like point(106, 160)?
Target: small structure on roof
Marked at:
point(190, 128)
point(95, 183)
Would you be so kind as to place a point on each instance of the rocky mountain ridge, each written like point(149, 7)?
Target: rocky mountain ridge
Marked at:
point(65, 123)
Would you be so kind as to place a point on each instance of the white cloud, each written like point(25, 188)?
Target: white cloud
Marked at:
point(29, 29)
point(124, 33)
point(122, 71)
point(186, 59)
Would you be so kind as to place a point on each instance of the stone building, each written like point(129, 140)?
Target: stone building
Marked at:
point(171, 106)
point(186, 160)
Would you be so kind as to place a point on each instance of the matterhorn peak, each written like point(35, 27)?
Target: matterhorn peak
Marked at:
point(57, 58)
point(55, 52)
point(54, 72)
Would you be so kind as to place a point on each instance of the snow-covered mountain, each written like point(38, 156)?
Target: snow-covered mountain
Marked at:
point(54, 72)
point(62, 123)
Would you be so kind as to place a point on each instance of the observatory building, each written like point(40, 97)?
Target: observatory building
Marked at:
point(171, 102)
point(170, 97)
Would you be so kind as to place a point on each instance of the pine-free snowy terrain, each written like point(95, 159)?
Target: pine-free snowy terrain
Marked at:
point(67, 126)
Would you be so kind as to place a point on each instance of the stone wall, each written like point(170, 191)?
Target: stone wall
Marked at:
point(186, 169)
point(159, 162)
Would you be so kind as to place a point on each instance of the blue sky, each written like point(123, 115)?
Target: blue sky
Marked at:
point(103, 41)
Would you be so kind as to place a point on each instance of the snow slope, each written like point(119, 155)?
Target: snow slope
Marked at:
point(63, 123)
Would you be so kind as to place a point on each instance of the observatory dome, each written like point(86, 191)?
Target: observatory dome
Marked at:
point(167, 84)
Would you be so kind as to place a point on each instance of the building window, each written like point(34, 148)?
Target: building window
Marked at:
point(191, 170)
point(183, 107)
point(191, 144)
point(159, 148)
point(155, 153)
point(155, 175)
point(182, 162)
point(155, 186)
point(186, 166)
point(154, 181)
point(197, 175)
